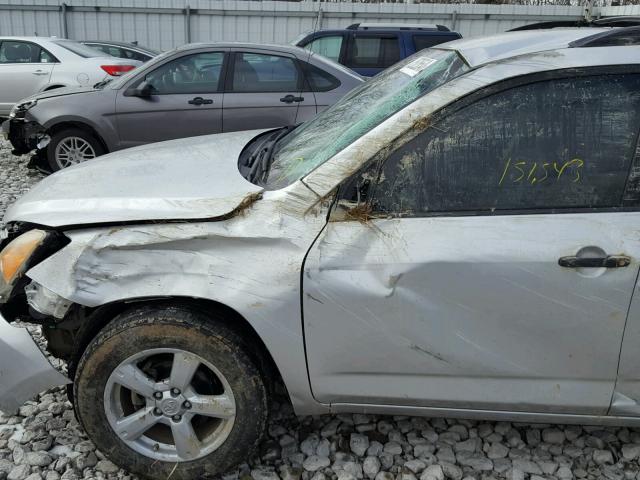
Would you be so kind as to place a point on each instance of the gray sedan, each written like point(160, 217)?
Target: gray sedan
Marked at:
point(194, 90)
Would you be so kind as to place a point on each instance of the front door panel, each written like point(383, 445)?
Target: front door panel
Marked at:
point(473, 278)
point(469, 312)
point(186, 101)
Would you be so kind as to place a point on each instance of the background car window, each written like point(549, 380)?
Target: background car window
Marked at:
point(46, 57)
point(199, 73)
point(327, 46)
point(425, 41)
point(319, 80)
point(108, 49)
point(255, 72)
point(566, 143)
point(79, 48)
point(133, 55)
point(374, 51)
point(24, 52)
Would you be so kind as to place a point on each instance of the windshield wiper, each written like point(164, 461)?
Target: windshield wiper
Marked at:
point(260, 161)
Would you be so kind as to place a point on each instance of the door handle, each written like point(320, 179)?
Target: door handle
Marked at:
point(291, 99)
point(610, 261)
point(40, 72)
point(200, 101)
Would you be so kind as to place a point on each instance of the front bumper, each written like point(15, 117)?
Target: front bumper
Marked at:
point(23, 135)
point(24, 369)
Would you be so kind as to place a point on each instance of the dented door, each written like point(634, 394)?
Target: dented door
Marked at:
point(489, 261)
point(468, 312)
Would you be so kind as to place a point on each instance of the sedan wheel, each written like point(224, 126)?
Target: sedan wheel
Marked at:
point(71, 146)
point(73, 150)
point(168, 391)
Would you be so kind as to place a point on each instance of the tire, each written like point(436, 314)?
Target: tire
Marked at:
point(62, 142)
point(140, 334)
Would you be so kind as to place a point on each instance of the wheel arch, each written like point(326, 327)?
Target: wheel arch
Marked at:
point(57, 127)
point(89, 323)
point(53, 87)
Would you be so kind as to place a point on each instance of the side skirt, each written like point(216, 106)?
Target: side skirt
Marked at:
point(524, 417)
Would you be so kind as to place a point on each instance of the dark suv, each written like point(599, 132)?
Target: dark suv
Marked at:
point(369, 48)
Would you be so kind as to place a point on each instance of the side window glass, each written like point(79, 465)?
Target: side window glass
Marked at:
point(19, 52)
point(46, 57)
point(106, 49)
point(319, 80)
point(198, 73)
point(133, 55)
point(566, 143)
point(374, 51)
point(256, 72)
point(326, 46)
point(116, 52)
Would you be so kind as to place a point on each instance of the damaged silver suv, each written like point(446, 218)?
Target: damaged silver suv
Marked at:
point(459, 236)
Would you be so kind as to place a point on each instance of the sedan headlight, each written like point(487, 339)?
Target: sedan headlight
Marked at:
point(14, 258)
point(21, 108)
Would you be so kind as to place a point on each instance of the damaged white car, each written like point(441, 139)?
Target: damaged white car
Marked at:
point(456, 237)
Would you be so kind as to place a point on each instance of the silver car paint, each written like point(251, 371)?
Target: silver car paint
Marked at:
point(252, 260)
point(501, 46)
point(260, 281)
point(123, 121)
point(20, 80)
point(24, 370)
point(149, 184)
point(468, 312)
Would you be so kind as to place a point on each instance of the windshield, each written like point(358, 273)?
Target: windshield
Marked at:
point(80, 49)
point(364, 108)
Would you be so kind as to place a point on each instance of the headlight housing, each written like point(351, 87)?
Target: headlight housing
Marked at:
point(14, 259)
point(21, 108)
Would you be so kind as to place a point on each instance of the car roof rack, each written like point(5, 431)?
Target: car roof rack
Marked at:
point(398, 26)
point(617, 37)
point(619, 21)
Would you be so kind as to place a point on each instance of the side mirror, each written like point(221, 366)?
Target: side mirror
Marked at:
point(143, 90)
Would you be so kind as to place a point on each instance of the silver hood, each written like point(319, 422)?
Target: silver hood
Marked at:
point(189, 178)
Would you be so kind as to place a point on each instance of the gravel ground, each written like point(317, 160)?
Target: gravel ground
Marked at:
point(44, 441)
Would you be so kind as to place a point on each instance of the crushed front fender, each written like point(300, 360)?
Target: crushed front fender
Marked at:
point(24, 370)
point(24, 135)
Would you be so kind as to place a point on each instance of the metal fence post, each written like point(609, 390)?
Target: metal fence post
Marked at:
point(454, 19)
point(319, 19)
point(63, 20)
point(187, 24)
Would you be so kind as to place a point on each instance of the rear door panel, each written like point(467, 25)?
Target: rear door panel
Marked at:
point(256, 96)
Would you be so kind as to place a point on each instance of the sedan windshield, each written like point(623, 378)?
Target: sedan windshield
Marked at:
point(366, 107)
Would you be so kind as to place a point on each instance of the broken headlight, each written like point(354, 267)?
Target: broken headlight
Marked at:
point(20, 109)
point(15, 259)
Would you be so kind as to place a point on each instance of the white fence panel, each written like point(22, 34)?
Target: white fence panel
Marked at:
point(164, 24)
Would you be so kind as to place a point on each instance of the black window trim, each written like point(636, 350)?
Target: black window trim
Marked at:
point(302, 65)
point(228, 85)
point(473, 97)
point(29, 63)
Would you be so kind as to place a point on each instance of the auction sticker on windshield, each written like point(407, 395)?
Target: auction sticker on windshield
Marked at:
point(419, 64)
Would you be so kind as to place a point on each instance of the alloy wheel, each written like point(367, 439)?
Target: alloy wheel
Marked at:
point(73, 150)
point(169, 405)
